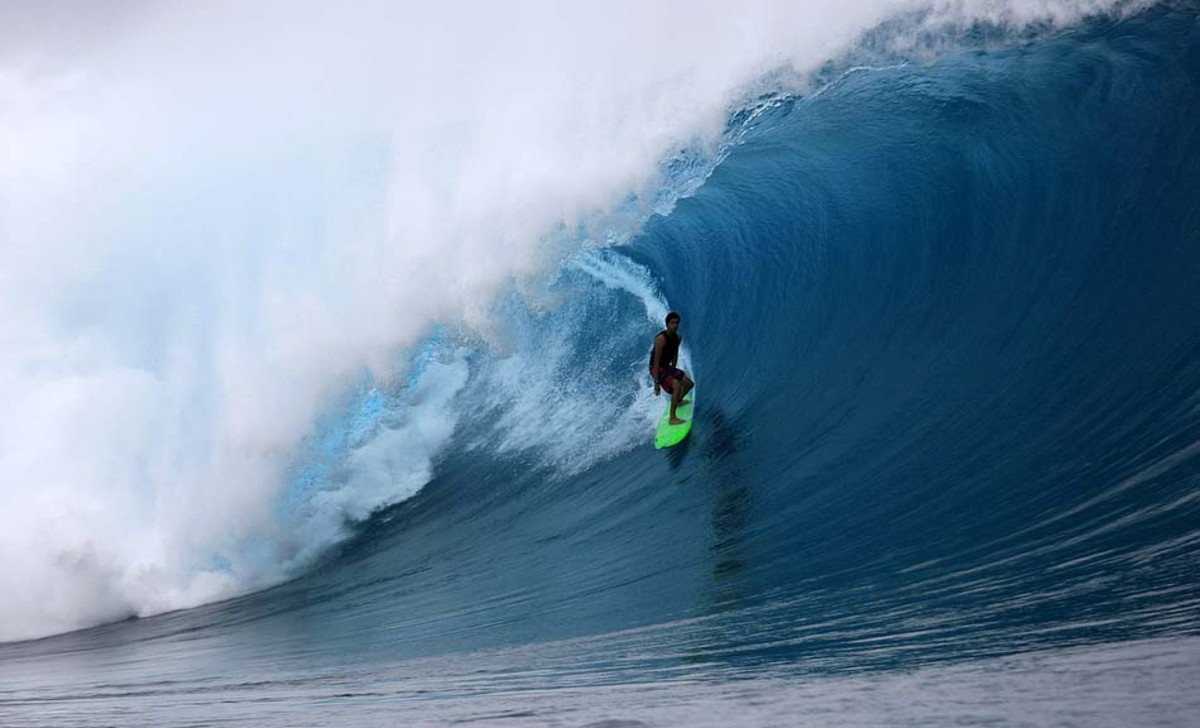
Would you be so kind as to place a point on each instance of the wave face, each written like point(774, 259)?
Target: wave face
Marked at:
point(945, 328)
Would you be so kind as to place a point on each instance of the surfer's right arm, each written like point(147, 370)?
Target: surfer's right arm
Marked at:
point(658, 347)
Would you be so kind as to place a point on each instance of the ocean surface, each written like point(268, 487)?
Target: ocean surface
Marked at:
point(943, 312)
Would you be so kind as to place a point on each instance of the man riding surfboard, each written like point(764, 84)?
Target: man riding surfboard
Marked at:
point(663, 359)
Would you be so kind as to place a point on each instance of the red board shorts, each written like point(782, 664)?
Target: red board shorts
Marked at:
point(667, 376)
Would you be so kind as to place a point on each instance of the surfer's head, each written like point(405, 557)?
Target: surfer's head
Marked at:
point(672, 317)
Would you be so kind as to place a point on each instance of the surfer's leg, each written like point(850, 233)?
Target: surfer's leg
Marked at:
point(676, 390)
point(685, 386)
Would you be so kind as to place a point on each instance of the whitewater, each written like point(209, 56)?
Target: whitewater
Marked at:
point(322, 353)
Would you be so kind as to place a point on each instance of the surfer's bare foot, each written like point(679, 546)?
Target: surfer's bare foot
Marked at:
point(677, 421)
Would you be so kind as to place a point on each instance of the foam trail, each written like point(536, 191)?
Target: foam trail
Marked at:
point(567, 400)
point(214, 218)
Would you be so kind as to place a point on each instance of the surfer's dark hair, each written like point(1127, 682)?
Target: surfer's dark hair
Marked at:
point(670, 316)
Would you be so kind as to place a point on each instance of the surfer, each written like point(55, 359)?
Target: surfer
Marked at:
point(663, 358)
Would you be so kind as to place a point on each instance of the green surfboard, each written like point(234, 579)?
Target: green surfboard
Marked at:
point(668, 434)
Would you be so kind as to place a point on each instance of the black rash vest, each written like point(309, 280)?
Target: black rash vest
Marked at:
point(670, 350)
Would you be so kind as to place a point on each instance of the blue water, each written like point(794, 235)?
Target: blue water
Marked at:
point(945, 323)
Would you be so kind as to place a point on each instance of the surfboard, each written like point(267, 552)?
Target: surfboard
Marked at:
point(668, 434)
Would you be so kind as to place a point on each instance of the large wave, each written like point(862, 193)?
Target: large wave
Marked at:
point(251, 254)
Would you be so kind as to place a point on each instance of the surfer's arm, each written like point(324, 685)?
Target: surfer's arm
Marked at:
point(659, 341)
point(658, 347)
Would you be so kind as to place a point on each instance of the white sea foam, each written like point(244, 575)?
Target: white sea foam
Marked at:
point(568, 388)
point(215, 216)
